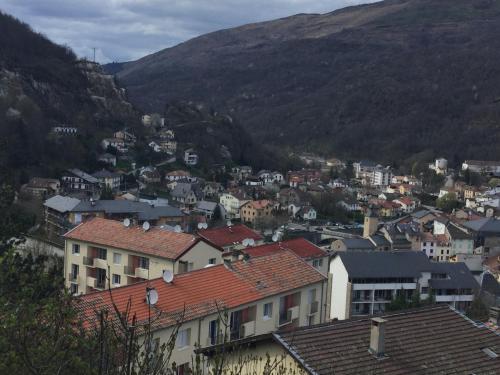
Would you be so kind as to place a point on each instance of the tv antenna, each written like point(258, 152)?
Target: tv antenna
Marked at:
point(93, 48)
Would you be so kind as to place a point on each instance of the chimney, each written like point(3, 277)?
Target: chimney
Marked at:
point(377, 337)
point(228, 264)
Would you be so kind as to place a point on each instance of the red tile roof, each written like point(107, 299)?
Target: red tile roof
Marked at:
point(202, 292)
point(300, 246)
point(260, 204)
point(226, 236)
point(156, 242)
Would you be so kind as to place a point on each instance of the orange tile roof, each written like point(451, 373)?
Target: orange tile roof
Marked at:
point(156, 242)
point(199, 293)
point(300, 246)
point(229, 235)
point(258, 205)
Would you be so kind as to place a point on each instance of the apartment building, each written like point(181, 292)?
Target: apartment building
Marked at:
point(260, 295)
point(363, 283)
point(101, 253)
point(232, 202)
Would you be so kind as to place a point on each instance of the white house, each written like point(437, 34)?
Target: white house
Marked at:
point(190, 157)
point(155, 146)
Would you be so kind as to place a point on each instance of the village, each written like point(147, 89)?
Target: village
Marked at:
point(279, 250)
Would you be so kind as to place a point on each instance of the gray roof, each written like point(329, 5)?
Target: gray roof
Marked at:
point(358, 244)
point(384, 264)
point(206, 205)
point(144, 210)
point(105, 174)
point(458, 276)
point(486, 225)
point(83, 175)
point(420, 214)
point(380, 240)
point(456, 233)
point(61, 203)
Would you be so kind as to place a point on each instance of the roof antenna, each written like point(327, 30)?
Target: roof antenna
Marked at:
point(94, 52)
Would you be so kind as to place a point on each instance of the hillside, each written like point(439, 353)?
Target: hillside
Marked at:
point(386, 80)
point(43, 85)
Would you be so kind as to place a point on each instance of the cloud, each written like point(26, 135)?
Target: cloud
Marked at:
point(123, 30)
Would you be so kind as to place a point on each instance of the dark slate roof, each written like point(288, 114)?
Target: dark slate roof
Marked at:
point(458, 276)
point(490, 284)
point(83, 175)
point(435, 340)
point(144, 210)
point(457, 233)
point(380, 240)
point(384, 264)
point(358, 244)
point(420, 214)
point(105, 174)
point(485, 225)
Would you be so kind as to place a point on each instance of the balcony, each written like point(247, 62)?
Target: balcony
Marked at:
point(138, 272)
point(73, 278)
point(288, 316)
point(215, 340)
point(91, 281)
point(247, 329)
point(88, 261)
point(100, 263)
point(312, 308)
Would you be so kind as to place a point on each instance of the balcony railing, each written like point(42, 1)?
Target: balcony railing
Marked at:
point(91, 281)
point(215, 340)
point(138, 272)
point(88, 261)
point(313, 308)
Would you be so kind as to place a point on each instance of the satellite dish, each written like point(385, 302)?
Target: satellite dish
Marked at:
point(177, 229)
point(251, 241)
point(146, 226)
point(275, 237)
point(126, 222)
point(205, 225)
point(209, 265)
point(168, 276)
point(229, 223)
point(245, 242)
point(151, 296)
point(200, 225)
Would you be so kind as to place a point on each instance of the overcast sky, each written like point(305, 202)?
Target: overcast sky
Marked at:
point(123, 30)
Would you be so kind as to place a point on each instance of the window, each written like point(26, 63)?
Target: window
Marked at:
point(317, 263)
point(116, 279)
point(144, 263)
point(73, 288)
point(425, 290)
point(311, 296)
point(102, 253)
point(117, 258)
point(74, 272)
point(212, 261)
point(75, 249)
point(183, 338)
point(213, 334)
point(183, 369)
point(268, 311)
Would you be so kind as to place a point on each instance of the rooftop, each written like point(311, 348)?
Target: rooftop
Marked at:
point(155, 241)
point(300, 246)
point(229, 235)
point(434, 340)
point(61, 204)
point(143, 210)
point(202, 292)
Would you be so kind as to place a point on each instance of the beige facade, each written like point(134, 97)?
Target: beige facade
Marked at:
point(89, 267)
point(253, 211)
point(309, 308)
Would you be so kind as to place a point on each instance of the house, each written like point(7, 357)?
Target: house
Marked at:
point(259, 295)
point(57, 214)
point(350, 204)
point(206, 208)
point(293, 196)
point(65, 130)
point(108, 159)
point(177, 175)
point(150, 175)
point(110, 180)
point(364, 283)
point(303, 176)
point(126, 136)
point(381, 176)
point(241, 172)
point(352, 244)
point(254, 211)
point(168, 145)
point(364, 169)
point(165, 133)
point(400, 342)
point(155, 146)
point(75, 180)
point(101, 253)
point(408, 204)
point(116, 143)
point(482, 166)
point(187, 194)
point(230, 237)
point(42, 187)
point(212, 190)
point(232, 202)
point(486, 235)
point(310, 253)
point(190, 157)
point(307, 213)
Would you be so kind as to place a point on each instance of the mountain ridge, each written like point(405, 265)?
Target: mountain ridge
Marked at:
point(386, 80)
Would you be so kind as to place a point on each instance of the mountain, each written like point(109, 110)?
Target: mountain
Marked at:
point(43, 85)
point(389, 80)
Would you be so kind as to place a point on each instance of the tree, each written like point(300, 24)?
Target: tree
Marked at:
point(107, 193)
point(477, 310)
point(448, 202)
